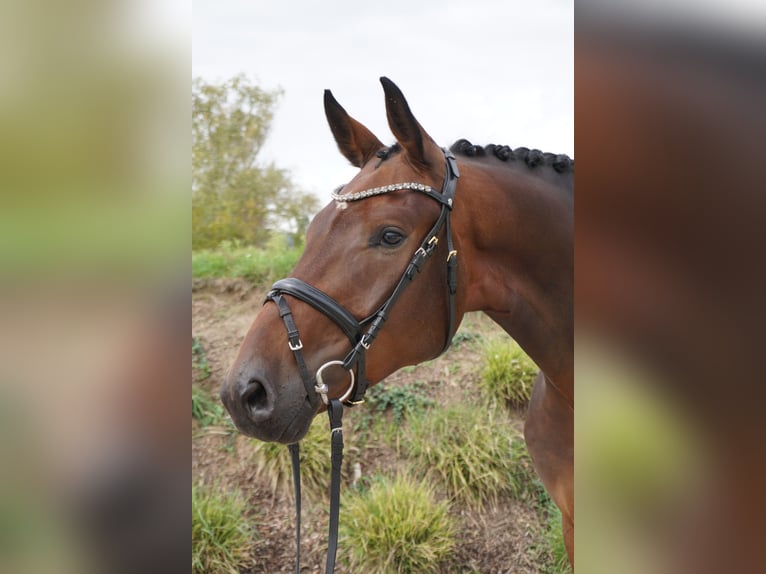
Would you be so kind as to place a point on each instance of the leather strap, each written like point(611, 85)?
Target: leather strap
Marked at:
point(449, 186)
point(321, 301)
point(335, 413)
point(294, 340)
point(296, 463)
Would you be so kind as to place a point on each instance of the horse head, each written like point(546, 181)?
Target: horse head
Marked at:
point(343, 288)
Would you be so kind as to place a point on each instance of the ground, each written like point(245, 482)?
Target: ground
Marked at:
point(504, 539)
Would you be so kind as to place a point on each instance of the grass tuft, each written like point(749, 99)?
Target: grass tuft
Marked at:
point(396, 525)
point(508, 374)
point(221, 535)
point(473, 452)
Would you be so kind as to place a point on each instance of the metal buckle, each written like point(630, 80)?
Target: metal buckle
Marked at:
point(426, 251)
point(364, 342)
point(297, 347)
point(451, 254)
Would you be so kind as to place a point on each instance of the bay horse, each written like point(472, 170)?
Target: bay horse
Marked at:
point(498, 224)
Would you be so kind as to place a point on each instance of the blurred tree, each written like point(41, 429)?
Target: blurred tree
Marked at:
point(233, 196)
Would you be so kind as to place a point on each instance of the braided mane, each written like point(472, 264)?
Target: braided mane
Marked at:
point(532, 157)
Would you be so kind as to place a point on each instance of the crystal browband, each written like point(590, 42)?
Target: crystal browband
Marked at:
point(379, 191)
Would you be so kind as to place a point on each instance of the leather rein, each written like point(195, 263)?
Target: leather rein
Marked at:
point(361, 334)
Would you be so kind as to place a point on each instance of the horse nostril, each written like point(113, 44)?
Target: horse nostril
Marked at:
point(255, 398)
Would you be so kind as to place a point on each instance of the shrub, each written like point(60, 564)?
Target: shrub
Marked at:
point(473, 451)
point(396, 526)
point(508, 374)
point(272, 461)
point(221, 537)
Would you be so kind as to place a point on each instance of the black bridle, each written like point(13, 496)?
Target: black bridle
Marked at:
point(362, 333)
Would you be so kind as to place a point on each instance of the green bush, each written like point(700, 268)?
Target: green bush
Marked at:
point(473, 451)
point(272, 461)
point(221, 535)
point(508, 374)
point(396, 526)
point(232, 260)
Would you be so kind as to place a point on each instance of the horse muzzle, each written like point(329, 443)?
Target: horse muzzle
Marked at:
point(259, 410)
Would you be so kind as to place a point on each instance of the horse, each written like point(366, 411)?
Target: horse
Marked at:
point(419, 237)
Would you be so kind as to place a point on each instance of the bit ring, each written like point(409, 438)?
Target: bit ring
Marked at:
point(321, 387)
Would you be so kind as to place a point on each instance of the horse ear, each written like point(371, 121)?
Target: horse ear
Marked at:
point(355, 141)
point(420, 147)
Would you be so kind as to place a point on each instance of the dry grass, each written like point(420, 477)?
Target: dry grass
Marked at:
point(508, 374)
point(221, 537)
point(397, 525)
point(473, 451)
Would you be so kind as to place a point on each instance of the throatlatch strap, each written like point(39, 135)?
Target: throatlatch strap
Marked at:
point(335, 412)
point(296, 460)
point(451, 176)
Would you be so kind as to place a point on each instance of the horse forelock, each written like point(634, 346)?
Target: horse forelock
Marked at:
point(386, 153)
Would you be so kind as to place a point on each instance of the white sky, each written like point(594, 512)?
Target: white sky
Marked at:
point(492, 71)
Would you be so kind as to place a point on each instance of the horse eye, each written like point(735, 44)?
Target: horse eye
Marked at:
point(391, 238)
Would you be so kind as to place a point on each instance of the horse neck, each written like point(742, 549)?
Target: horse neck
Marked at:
point(515, 228)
